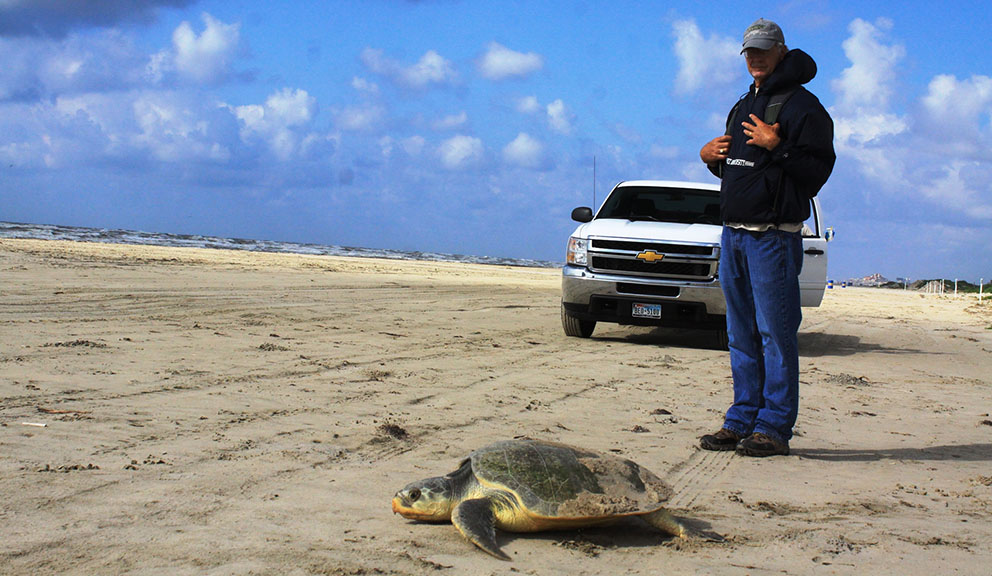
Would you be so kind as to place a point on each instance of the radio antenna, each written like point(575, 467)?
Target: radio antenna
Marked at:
point(594, 183)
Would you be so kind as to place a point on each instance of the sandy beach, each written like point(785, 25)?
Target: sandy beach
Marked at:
point(184, 411)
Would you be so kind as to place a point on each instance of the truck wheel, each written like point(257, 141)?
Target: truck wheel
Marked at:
point(722, 340)
point(575, 327)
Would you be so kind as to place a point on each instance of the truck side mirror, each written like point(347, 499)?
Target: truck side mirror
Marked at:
point(829, 235)
point(582, 214)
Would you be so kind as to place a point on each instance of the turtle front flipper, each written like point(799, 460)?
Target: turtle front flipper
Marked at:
point(476, 521)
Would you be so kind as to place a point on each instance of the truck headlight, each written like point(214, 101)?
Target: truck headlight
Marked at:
point(577, 251)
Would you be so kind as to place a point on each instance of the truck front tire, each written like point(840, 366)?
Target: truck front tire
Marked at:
point(722, 339)
point(575, 327)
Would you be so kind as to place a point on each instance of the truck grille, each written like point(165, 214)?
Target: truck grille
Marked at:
point(680, 269)
point(656, 246)
point(684, 262)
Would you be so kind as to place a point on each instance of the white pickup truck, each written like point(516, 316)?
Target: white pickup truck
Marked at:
point(650, 257)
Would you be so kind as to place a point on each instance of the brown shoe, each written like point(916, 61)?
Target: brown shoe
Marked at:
point(722, 440)
point(760, 445)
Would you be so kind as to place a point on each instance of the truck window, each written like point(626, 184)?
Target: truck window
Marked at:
point(685, 206)
point(810, 229)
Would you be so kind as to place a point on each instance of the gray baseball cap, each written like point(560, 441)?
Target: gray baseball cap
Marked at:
point(763, 35)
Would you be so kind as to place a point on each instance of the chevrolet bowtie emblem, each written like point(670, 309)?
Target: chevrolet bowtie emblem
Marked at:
point(650, 256)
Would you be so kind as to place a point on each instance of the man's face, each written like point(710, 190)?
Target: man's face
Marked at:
point(761, 63)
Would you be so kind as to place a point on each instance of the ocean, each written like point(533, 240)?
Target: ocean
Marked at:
point(78, 234)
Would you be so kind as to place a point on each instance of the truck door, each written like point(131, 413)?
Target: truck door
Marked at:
point(813, 279)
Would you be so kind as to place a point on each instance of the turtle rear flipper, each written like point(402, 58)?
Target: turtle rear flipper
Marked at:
point(663, 520)
point(476, 521)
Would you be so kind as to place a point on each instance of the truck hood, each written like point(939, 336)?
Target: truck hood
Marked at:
point(651, 231)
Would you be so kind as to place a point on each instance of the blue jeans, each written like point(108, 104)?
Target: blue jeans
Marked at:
point(759, 273)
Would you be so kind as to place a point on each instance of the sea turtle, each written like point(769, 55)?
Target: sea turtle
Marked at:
point(533, 485)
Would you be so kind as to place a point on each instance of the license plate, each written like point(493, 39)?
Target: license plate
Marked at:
point(645, 310)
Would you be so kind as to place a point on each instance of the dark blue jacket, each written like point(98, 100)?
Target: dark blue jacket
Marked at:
point(761, 186)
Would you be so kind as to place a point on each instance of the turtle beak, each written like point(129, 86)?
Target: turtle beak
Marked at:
point(401, 506)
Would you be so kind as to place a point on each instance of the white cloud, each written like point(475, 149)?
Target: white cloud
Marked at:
point(960, 186)
point(414, 145)
point(884, 168)
point(34, 68)
point(499, 62)
point(865, 127)
point(559, 117)
point(627, 133)
point(460, 152)
point(168, 127)
point(58, 138)
point(364, 86)
point(283, 120)
point(319, 145)
point(205, 55)
point(359, 118)
point(365, 116)
point(450, 122)
point(291, 107)
point(172, 131)
point(386, 146)
point(959, 110)
point(704, 63)
point(528, 105)
point(867, 82)
point(151, 131)
point(159, 66)
point(431, 69)
point(948, 98)
point(927, 154)
point(664, 152)
point(524, 151)
point(204, 58)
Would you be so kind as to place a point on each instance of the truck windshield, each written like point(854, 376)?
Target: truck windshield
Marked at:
point(653, 203)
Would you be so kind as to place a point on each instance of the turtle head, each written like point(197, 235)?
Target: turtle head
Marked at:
point(430, 500)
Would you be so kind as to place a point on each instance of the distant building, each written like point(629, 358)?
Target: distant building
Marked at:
point(874, 280)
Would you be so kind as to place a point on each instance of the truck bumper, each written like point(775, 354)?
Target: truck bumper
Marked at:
point(609, 298)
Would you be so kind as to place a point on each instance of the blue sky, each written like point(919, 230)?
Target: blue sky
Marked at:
point(470, 127)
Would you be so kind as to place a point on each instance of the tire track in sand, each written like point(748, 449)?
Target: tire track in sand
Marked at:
point(692, 478)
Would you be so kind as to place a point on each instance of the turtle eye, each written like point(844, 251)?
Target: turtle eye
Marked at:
point(414, 495)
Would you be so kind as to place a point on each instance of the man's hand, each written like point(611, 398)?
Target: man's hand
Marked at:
point(715, 150)
point(762, 134)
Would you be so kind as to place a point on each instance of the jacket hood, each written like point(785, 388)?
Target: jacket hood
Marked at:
point(795, 69)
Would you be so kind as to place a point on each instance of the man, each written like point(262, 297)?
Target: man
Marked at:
point(769, 174)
